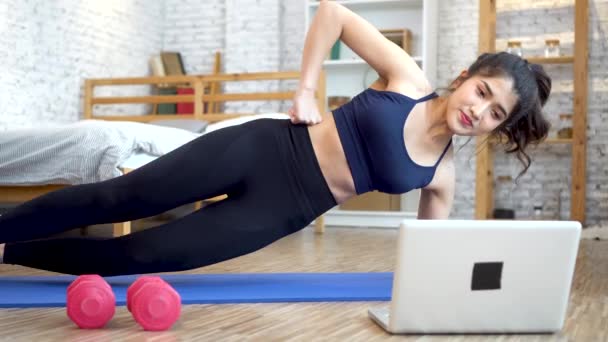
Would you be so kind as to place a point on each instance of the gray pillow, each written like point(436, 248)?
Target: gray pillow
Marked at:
point(196, 126)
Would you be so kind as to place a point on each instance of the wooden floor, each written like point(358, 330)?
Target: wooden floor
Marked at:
point(338, 250)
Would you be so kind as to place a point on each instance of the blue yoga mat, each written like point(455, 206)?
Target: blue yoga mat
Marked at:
point(50, 291)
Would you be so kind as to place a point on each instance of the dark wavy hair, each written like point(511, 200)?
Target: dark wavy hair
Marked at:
point(526, 124)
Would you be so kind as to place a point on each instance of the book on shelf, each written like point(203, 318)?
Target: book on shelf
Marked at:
point(172, 62)
point(401, 37)
point(157, 67)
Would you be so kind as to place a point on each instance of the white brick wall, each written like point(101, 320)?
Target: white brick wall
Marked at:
point(292, 41)
point(47, 48)
point(252, 45)
point(292, 34)
point(196, 29)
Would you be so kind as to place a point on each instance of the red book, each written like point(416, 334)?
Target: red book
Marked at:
point(185, 107)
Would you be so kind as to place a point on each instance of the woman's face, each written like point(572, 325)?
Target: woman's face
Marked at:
point(480, 104)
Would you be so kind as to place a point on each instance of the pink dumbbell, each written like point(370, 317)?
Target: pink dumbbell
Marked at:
point(137, 284)
point(155, 305)
point(90, 301)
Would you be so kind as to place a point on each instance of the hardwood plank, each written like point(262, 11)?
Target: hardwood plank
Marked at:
point(484, 195)
point(18, 194)
point(88, 95)
point(283, 95)
point(551, 60)
point(253, 76)
point(484, 192)
point(142, 80)
point(579, 119)
point(551, 141)
point(487, 21)
point(143, 99)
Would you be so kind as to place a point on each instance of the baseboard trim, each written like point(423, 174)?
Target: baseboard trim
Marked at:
point(392, 220)
point(366, 219)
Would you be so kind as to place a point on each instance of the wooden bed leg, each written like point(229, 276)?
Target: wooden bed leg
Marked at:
point(123, 228)
point(120, 229)
point(320, 224)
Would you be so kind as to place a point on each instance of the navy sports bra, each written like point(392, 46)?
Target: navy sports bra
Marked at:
point(370, 127)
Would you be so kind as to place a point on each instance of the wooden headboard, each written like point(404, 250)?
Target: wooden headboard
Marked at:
point(205, 92)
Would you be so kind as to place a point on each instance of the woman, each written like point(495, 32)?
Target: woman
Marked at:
point(280, 175)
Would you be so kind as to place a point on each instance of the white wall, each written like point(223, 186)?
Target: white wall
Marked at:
point(47, 48)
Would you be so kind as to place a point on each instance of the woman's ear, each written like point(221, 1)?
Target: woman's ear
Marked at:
point(464, 74)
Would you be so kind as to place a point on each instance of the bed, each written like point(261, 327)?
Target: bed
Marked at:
point(139, 132)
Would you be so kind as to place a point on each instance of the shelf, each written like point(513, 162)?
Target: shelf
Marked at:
point(484, 189)
point(551, 60)
point(552, 141)
point(370, 3)
point(355, 61)
point(348, 74)
point(558, 141)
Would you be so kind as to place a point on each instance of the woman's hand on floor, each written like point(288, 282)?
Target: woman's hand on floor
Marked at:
point(304, 109)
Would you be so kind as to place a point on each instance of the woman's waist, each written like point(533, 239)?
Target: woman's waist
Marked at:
point(332, 159)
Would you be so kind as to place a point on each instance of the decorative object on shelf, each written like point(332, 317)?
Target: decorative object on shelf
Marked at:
point(158, 70)
point(552, 48)
point(335, 51)
point(562, 197)
point(401, 37)
point(565, 126)
point(157, 67)
point(503, 214)
point(185, 107)
point(514, 47)
point(504, 205)
point(167, 108)
point(538, 212)
point(172, 63)
point(336, 101)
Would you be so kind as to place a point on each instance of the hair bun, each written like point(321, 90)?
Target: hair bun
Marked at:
point(543, 82)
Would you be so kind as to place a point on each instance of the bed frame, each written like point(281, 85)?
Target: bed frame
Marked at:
point(206, 99)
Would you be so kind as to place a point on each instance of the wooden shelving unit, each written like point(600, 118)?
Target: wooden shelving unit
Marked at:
point(356, 61)
point(348, 75)
point(484, 192)
point(551, 60)
point(552, 141)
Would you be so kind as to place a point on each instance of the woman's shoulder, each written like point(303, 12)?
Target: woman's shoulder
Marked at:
point(414, 86)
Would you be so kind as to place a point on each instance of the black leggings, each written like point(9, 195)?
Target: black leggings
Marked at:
point(267, 167)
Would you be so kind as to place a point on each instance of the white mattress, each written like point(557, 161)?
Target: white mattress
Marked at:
point(140, 159)
point(82, 152)
point(137, 160)
point(91, 150)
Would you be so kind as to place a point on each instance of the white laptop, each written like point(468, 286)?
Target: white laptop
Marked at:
point(481, 276)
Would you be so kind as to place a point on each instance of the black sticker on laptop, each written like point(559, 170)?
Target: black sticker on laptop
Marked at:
point(486, 276)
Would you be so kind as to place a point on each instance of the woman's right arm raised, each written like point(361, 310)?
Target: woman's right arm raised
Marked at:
point(333, 21)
